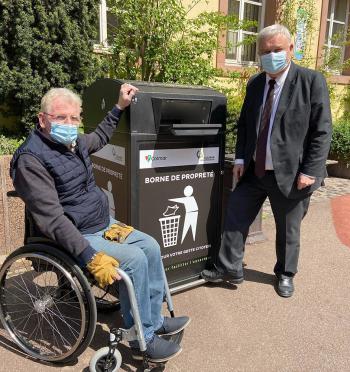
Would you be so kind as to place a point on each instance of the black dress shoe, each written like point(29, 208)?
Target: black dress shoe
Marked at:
point(285, 286)
point(216, 276)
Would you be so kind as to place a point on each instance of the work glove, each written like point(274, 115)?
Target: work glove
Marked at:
point(103, 268)
point(118, 232)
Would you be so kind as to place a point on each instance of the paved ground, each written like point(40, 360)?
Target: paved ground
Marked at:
point(249, 327)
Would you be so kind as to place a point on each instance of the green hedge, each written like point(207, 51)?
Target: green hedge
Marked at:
point(8, 145)
point(43, 44)
point(340, 145)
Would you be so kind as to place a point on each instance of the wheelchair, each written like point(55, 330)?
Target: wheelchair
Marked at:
point(48, 305)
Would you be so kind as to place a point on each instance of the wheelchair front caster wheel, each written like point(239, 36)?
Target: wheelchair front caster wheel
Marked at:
point(102, 362)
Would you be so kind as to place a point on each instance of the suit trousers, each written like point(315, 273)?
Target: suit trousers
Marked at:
point(243, 206)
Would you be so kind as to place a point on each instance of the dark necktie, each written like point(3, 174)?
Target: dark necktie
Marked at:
point(260, 154)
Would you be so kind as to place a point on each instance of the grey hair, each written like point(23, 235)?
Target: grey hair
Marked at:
point(273, 30)
point(63, 93)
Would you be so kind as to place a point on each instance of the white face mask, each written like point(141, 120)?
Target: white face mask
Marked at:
point(273, 63)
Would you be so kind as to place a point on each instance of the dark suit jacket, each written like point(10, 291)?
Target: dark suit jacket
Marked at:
point(301, 133)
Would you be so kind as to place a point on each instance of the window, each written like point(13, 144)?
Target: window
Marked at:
point(245, 10)
point(336, 33)
point(107, 24)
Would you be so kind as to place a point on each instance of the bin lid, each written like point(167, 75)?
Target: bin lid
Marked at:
point(154, 87)
point(150, 102)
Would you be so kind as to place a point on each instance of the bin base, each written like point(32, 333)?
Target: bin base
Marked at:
point(184, 287)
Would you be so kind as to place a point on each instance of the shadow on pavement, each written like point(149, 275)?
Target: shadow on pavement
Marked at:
point(11, 346)
point(249, 276)
point(225, 284)
point(259, 277)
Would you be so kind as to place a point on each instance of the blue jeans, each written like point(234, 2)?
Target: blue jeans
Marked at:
point(139, 256)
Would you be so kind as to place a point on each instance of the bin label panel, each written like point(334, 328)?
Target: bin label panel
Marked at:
point(111, 177)
point(112, 153)
point(179, 207)
point(159, 158)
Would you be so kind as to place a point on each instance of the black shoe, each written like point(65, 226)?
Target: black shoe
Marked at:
point(216, 276)
point(158, 350)
point(172, 326)
point(285, 286)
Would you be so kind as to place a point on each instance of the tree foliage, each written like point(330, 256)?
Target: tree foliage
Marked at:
point(158, 40)
point(43, 44)
point(8, 145)
point(234, 87)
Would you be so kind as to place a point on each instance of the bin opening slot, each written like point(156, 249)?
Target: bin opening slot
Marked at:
point(191, 126)
point(195, 130)
point(168, 112)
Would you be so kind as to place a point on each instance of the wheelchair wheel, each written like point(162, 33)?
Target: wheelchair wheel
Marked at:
point(46, 303)
point(99, 362)
point(106, 298)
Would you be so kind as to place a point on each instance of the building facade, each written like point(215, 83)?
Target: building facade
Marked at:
point(320, 43)
point(328, 39)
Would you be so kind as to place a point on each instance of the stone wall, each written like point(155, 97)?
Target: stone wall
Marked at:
point(11, 211)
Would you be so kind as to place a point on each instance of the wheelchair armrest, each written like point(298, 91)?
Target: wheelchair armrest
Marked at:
point(12, 194)
point(41, 240)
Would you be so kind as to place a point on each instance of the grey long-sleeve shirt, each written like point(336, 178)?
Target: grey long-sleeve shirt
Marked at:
point(36, 187)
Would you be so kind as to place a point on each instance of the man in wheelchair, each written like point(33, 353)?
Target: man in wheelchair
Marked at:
point(52, 173)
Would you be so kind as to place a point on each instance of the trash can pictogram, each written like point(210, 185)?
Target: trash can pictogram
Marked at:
point(170, 228)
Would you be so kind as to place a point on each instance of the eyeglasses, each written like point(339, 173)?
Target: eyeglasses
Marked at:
point(76, 120)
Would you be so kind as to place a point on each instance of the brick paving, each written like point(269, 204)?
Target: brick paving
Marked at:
point(333, 187)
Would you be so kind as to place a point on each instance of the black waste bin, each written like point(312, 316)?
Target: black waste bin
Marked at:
point(163, 168)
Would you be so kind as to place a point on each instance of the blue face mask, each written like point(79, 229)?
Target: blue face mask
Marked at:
point(273, 63)
point(64, 133)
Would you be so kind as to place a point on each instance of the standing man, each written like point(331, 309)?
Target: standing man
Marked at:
point(283, 139)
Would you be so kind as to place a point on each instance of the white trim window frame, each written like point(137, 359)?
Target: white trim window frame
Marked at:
point(103, 23)
point(240, 34)
point(333, 23)
point(102, 42)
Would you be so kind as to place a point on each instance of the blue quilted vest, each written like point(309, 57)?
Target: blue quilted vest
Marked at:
point(83, 202)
